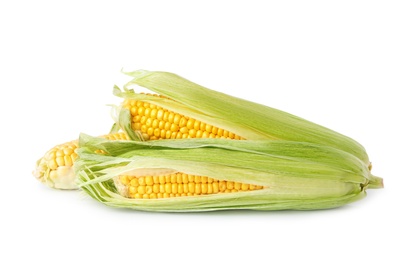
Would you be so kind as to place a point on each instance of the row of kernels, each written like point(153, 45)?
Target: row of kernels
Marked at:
point(162, 179)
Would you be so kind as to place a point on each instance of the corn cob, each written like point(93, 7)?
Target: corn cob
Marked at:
point(286, 175)
point(241, 117)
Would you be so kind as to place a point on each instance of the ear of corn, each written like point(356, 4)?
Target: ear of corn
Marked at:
point(292, 175)
point(241, 117)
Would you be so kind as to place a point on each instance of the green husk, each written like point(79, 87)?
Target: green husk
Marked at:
point(296, 175)
point(244, 118)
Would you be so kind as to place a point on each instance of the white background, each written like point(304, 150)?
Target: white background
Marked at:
point(348, 65)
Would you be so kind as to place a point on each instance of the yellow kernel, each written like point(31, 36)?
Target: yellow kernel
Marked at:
point(156, 188)
point(192, 133)
point(124, 179)
point(146, 196)
point(191, 178)
point(196, 125)
point(199, 134)
point(230, 185)
point(153, 113)
point(209, 188)
point(174, 128)
point(208, 128)
point(149, 189)
point(162, 188)
point(203, 179)
point(198, 189)
point(67, 151)
point(59, 153)
point(215, 187)
point(179, 178)
point(222, 186)
point(174, 188)
point(202, 126)
point(60, 161)
point(180, 188)
point(162, 179)
point(161, 125)
point(166, 116)
point(159, 195)
point(197, 179)
point(225, 133)
point(204, 188)
point(51, 155)
point(191, 187)
point(184, 130)
point(155, 123)
point(133, 111)
point(182, 122)
point(147, 112)
point(141, 190)
point(149, 180)
point(220, 132)
point(167, 187)
point(162, 134)
point(52, 165)
point(166, 195)
point(132, 190)
point(176, 119)
point(190, 123)
point(185, 178)
point(153, 196)
point(150, 131)
point(244, 186)
point(134, 182)
point(185, 188)
point(179, 135)
point(141, 111)
point(171, 117)
point(136, 119)
point(160, 114)
point(141, 181)
point(149, 122)
point(144, 128)
point(173, 178)
point(68, 160)
point(237, 185)
point(156, 179)
point(252, 187)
